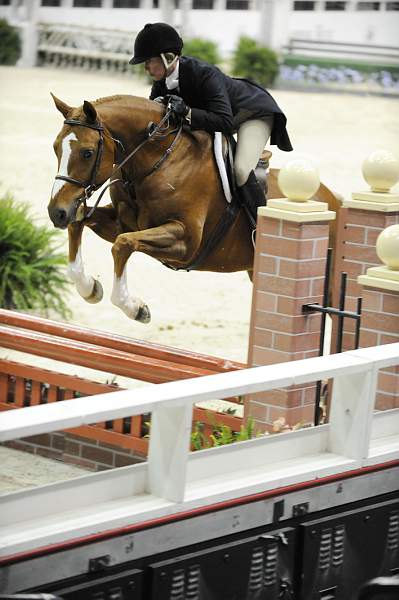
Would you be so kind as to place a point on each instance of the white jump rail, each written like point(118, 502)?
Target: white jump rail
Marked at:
point(175, 480)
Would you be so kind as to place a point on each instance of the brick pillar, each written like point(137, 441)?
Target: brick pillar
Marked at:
point(369, 213)
point(290, 258)
point(380, 320)
point(364, 224)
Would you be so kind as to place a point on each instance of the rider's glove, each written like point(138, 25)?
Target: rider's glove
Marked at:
point(160, 99)
point(177, 105)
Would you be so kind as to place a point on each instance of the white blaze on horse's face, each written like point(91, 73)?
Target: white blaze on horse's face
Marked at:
point(66, 151)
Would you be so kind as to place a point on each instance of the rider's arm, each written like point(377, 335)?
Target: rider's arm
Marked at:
point(217, 114)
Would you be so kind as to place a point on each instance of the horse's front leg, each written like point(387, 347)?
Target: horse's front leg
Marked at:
point(89, 288)
point(105, 223)
point(165, 242)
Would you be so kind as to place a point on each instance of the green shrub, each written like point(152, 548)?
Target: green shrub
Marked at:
point(202, 49)
point(221, 434)
point(256, 62)
point(10, 44)
point(31, 269)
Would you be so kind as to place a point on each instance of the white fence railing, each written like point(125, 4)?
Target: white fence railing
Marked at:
point(349, 50)
point(175, 479)
point(84, 47)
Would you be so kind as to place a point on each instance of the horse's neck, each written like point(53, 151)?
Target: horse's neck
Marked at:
point(128, 120)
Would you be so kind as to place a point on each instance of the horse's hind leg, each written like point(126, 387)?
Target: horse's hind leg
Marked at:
point(163, 243)
point(89, 288)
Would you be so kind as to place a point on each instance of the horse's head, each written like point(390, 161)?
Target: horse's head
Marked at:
point(85, 159)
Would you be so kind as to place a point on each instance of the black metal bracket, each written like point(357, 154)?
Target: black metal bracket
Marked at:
point(299, 510)
point(340, 312)
point(100, 563)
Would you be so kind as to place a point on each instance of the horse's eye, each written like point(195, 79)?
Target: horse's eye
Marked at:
point(87, 153)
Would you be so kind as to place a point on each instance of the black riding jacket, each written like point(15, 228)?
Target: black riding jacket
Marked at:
point(222, 103)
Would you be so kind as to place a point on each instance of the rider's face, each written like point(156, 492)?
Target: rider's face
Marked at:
point(155, 68)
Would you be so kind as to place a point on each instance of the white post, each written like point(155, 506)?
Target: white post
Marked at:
point(30, 35)
point(14, 12)
point(266, 23)
point(167, 11)
point(185, 7)
point(274, 23)
point(351, 413)
point(168, 452)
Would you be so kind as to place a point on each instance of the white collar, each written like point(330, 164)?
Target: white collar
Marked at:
point(172, 80)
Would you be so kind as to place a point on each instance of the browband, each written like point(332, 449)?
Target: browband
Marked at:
point(96, 126)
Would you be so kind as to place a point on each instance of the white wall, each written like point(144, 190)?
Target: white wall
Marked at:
point(225, 27)
point(379, 28)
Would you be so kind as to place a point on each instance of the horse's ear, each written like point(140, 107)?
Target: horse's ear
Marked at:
point(62, 107)
point(89, 111)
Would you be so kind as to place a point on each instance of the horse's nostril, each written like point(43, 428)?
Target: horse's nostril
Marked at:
point(61, 215)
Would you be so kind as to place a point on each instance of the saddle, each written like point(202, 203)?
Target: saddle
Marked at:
point(253, 194)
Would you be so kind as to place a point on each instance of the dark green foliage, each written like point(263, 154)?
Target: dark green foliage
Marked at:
point(10, 44)
point(256, 62)
point(31, 269)
point(202, 49)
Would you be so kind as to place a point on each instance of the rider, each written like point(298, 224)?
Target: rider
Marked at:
point(210, 100)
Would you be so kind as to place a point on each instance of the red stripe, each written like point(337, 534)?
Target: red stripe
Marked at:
point(191, 513)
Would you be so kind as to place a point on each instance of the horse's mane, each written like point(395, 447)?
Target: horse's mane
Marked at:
point(116, 97)
point(109, 98)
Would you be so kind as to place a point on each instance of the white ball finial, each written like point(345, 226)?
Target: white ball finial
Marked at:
point(381, 170)
point(299, 180)
point(387, 247)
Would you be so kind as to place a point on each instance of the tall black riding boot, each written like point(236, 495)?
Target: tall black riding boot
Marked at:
point(252, 196)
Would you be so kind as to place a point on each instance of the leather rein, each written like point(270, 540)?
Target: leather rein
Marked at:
point(153, 131)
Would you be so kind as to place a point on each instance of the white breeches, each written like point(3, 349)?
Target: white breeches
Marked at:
point(252, 137)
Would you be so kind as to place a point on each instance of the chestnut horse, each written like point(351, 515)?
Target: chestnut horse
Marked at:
point(166, 200)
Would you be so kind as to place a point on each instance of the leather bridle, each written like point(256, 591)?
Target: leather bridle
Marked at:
point(152, 132)
point(90, 186)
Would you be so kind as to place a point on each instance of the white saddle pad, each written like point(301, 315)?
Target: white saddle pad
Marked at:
point(218, 150)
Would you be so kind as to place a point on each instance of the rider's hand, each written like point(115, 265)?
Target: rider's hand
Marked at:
point(177, 105)
point(160, 99)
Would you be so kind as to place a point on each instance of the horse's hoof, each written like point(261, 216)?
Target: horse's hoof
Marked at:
point(96, 293)
point(143, 314)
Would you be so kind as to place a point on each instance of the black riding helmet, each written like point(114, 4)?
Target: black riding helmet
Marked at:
point(155, 39)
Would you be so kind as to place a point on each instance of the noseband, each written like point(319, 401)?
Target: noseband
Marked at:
point(153, 132)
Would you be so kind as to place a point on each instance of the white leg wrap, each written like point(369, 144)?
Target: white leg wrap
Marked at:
point(84, 283)
point(121, 298)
